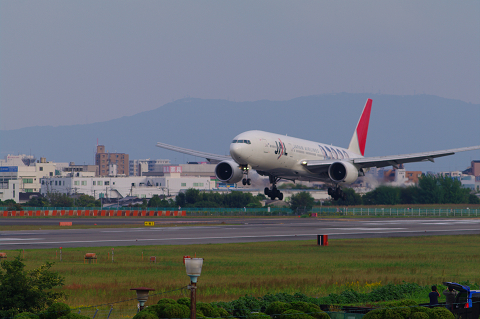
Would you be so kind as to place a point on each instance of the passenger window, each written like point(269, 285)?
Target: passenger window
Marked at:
point(340, 154)
point(329, 152)
point(337, 154)
point(323, 151)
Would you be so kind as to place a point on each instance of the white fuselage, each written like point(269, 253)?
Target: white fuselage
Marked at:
point(282, 156)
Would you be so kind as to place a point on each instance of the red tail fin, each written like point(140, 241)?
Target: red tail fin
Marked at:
point(359, 138)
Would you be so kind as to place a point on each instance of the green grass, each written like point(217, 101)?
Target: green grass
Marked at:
point(234, 270)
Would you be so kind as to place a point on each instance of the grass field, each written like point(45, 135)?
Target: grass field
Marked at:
point(234, 270)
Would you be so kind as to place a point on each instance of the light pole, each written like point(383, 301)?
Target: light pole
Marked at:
point(142, 296)
point(194, 269)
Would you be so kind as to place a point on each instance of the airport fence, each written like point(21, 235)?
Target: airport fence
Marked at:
point(239, 212)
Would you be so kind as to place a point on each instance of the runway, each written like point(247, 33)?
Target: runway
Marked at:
point(234, 230)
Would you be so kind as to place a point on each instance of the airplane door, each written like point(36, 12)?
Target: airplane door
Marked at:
point(266, 146)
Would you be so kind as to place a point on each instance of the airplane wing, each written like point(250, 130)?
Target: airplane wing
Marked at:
point(213, 158)
point(393, 160)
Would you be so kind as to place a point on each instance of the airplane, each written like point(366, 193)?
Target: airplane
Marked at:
point(289, 158)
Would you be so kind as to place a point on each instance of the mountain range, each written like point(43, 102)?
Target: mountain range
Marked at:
point(398, 125)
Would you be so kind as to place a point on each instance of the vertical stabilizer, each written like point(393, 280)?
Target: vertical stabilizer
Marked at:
point(359, 138)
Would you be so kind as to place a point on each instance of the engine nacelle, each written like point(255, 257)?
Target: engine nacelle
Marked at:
point(228, 172)
point(343, 172)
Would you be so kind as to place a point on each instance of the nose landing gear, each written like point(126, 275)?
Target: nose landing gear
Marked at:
point(246, 180)
point(273, 192)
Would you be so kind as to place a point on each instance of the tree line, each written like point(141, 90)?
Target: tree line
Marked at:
point(430, 190)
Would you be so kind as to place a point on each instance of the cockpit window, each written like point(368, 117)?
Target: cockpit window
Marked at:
point(242, 141)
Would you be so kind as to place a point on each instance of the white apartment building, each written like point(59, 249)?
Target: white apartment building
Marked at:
point(9, 189)
point(120, 187)
point(28, 176)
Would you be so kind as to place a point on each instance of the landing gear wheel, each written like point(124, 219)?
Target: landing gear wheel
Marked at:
point(337, 193)
point(244, 182)
point(273, 192)
point(249, 181)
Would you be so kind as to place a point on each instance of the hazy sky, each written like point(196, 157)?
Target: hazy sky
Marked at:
point(76, 62)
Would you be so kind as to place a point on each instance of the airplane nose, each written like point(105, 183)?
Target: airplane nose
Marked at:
point(236, 152)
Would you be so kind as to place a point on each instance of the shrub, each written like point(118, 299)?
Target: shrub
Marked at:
point(184, 301)
point(222, 313)
point(425, 310)
point(392, 314)
point(308, 308)
point(165, 301)
point(224, 306)
point(276, 308)
point(26, 315)
point(419, 315)
point(56, 310)
point(74, 316)
point(144, 314)
point(374, 314)
point(403, 311)
point(294, 314)
point(442, 313)
point(175, 311)
point(155, 309)
point(258, 315)
point(207, 310)
point(239, 308)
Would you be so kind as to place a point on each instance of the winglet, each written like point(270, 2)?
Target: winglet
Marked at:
point(359, 138)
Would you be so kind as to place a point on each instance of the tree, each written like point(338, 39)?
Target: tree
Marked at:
point(192, 196)
point(408, 195)
point(38, 201)
point(87, 201)
point(382, 195)
point(180, 200)
point(430, 191)
point(23, 290)
point(352, 198)
point(59, 200)
point(302, 200)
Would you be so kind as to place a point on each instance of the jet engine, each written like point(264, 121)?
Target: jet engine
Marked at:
point(228, 172)
point(343, 172)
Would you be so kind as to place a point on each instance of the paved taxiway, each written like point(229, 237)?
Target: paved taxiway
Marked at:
point(234, 230)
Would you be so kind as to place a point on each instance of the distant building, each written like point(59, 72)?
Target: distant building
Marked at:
point(28, 176)
point(413, 176)
point(72, 169)
point(111, 164)
point(140, 166)
point(474, 169)
point(9, 187)
point(121, 187)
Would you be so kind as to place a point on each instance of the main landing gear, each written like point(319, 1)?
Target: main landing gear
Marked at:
point(273, 192)
point(337, 193)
